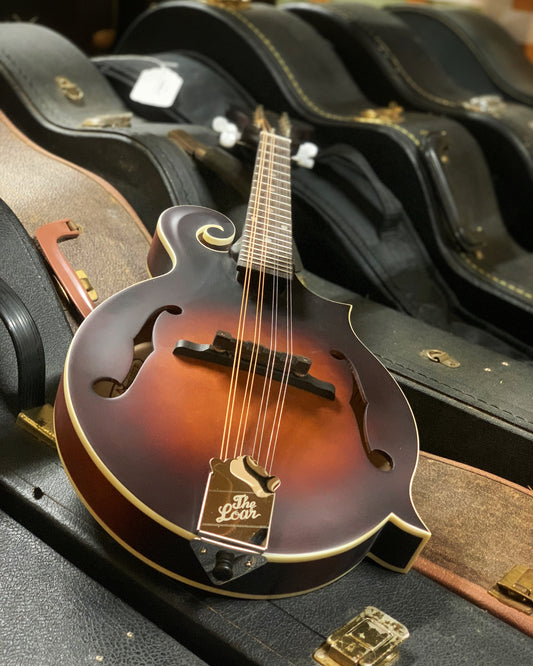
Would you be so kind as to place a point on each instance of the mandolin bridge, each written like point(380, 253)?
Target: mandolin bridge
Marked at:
point(263, 360)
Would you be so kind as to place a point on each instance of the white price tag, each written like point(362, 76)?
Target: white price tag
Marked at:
point(157, 86)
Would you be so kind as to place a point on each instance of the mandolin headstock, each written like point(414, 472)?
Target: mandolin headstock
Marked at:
point(279, 124)
point(250, 125)
point(242, 129)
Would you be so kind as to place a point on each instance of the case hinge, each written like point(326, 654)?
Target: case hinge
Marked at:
point(516, 589)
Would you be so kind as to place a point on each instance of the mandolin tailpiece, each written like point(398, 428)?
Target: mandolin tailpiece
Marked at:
point(234, 522)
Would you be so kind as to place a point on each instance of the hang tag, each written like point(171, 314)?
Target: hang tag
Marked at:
point(157, 86)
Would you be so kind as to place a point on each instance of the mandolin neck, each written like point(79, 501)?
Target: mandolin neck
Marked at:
point(267, 236)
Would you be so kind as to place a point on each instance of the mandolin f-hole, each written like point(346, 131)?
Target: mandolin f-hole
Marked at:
point(359, 403)
point(143, 346)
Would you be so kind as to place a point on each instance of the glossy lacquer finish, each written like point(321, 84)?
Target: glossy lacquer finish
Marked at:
point(141, 460)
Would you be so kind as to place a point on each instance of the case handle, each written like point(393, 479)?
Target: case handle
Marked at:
point(28, 347)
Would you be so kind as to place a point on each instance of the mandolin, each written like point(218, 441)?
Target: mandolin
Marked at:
point(225, 424)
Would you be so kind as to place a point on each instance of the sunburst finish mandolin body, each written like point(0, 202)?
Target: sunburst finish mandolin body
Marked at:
point(194, 366)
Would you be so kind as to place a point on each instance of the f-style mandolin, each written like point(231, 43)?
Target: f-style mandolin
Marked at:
point(225, 424)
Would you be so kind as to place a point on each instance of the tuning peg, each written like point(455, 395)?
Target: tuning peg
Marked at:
point(305, 156)
point(229, 133)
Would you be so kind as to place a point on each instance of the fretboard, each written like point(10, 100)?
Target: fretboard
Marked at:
point(267, 236)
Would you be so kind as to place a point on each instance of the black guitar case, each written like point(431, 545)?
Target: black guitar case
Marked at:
point(285, 64)
point(348, 226)
point(476, 51)
point(34, 332)
point(88, 623)
point(399, 66)
point(59, 99)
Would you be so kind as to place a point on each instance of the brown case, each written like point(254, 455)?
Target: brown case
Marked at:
point(41, 187)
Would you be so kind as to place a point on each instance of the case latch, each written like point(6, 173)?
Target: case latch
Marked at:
point(492, 104)
point(383, 115)
point(39, 422)
point(369, 639)
point(109, 120)
point(516, 589)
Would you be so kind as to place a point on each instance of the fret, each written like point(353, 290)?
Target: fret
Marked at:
point(269, 197)
point(260, 248)
point(267, 236)
point(282, 257)
point(272, 196)
point(275, 158)
point(279, 254)
point(284, 269)
point(269, 218)
point(279, 141)
point(269, 202)
point(259, 229)
point(274, 257)
point(276, 189)
point(283, 161)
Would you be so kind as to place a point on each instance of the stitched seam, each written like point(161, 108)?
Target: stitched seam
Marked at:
point(386, 51)
point(463, 36)
point(453, 388)
point(307, 101)
point(515, 289)
point(174, 167)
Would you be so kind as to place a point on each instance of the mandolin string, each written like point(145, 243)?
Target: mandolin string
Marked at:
point(277, 419)
point(269, 374)
point(260, 260)
point(270, 365)
point(251, 234)
point(266, 190)
point(283, 386)
point(284, 382)
point(279, 213)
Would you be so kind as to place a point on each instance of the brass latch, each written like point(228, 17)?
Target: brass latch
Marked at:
point(71, 91)
point(109, 120)
point(383, 115)
point(516, 589)
point(369, 639)
point(492, 104)
point(39, 422)
point(440, 356)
